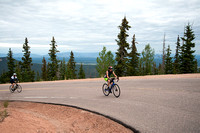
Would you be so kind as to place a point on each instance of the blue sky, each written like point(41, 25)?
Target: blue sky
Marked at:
point(87, 26)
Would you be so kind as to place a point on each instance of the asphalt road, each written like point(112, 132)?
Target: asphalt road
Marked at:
point(160, 105)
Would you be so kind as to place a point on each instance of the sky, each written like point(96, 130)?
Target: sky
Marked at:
point(88, 25)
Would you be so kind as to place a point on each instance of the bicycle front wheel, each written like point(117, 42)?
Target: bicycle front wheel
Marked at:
point(10, 88)
point(19, 88)
point(116, 90)
point(105, 89)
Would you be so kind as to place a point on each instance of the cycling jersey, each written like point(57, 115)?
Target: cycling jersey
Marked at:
point(13, 79)
point(109, 73)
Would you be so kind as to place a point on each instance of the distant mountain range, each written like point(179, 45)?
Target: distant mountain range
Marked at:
point(85, 58)
point(60, 55)
point(89, 69)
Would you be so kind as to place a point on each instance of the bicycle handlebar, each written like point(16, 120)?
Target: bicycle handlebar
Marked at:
point(117, 79)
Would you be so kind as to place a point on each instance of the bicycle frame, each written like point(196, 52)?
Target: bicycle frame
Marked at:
point(112, 84)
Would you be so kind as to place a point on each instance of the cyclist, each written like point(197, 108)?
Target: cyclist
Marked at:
point(107, 76)
point(13, 79)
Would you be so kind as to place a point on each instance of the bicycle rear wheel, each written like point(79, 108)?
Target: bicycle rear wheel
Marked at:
point(105, 89)
point(19, 88)
point(116, 90)
point(10, 88)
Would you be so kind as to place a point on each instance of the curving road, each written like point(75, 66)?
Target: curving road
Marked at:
point(150, 104)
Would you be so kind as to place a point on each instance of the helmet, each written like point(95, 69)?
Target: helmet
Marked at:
point(15, 74)
point(110, 67)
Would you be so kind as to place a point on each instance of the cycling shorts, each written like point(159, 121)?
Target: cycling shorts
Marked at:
point(12, 81)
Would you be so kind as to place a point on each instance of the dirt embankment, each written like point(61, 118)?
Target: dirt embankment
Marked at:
point(26, 117)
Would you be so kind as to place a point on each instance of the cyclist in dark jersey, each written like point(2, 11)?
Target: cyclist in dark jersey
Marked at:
point(108, 74)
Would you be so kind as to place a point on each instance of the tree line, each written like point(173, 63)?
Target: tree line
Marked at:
point(128, 62)
point(53, 70)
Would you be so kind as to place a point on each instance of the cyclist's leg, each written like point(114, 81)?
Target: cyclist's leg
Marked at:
point(12, 83)
point(108, 82)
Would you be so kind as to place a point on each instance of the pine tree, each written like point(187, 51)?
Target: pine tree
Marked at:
point(48, 72)
point(187, 58)
point(71, 67)
point(177, 57)
point(4, 78)
point(81, 72)
point(133, 64)
point(160, 69)
point(18, 71)
point(148, 59)
point(10, 63)
point(38, 76)
point(168, 62)
point(27, 73)
point(68, 72)
point(141, 67)
point(44, 70)
point(121, 54)
point(155, 69)
point(195, 66)
point(53, 66)
point(62, 69)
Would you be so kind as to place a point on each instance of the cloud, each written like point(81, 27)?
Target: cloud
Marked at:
point(89, 25)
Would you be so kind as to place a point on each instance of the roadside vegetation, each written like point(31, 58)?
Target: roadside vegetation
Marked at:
point(3, 111)
point(126, 61)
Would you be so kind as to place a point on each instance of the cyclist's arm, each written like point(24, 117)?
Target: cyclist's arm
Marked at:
point(107, 74)
point(114, 74)
point(16, 80)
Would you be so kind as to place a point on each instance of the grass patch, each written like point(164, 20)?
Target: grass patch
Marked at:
point(4, 113)
point(5, 104)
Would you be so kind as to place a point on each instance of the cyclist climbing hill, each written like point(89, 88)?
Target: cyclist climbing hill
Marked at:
point(108, 74)
point(13, 79)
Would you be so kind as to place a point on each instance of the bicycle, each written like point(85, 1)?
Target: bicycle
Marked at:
point(115, 89)
point(16, 87)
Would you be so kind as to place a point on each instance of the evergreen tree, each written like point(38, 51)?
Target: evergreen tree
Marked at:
point(27, 73)
point(160, 69)
point(121, 54)
point(187, 58)
point(141, 72)
point(4, 78)
point(168, 62)
point(62, 70)
point(71, 67)
point(155, 70)
point(18, 71)
point(53, 66)
point(38, 76)
point(133, 64)
point(177, 57)
point(10, 63)
point(104, 60)
point(48, 72)
point(81, 72)
point(148, 59)
point(68, 72)
point(44, 69)
point(195, 66)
